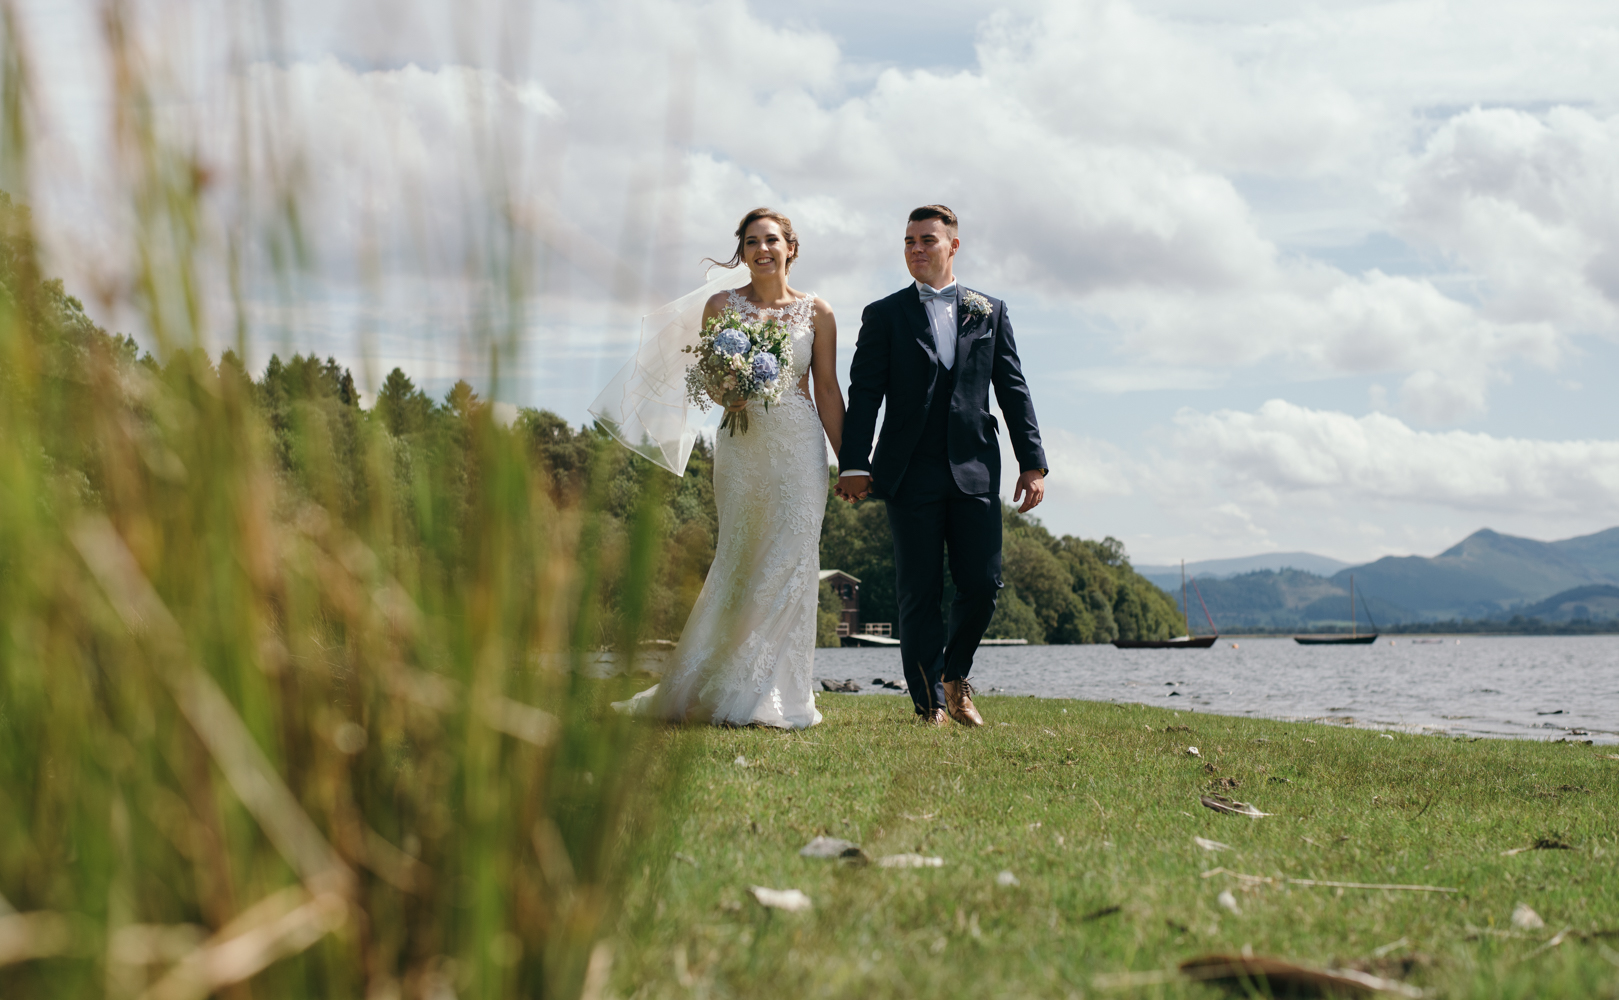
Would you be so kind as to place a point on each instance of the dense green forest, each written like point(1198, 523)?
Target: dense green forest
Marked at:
point(1058, 590)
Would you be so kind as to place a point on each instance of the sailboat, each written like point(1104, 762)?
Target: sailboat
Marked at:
point(1354, 638)
point(1187, 641)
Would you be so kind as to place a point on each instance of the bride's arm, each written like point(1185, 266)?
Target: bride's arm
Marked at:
point(824, 366)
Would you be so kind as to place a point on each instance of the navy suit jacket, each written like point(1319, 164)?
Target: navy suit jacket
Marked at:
point(894, 359)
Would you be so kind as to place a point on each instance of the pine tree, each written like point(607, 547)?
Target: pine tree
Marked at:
point(404, 409)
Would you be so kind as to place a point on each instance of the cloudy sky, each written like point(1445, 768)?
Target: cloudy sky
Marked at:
point(1340, 277)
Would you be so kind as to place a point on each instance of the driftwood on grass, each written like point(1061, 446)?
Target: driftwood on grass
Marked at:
point(1275, 977)
point(1330, 885)
point(1257, 975)
point(1540, 844)
point(1222, 804)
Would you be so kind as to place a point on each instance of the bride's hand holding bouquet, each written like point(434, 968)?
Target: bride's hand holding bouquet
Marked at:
point(736, 363)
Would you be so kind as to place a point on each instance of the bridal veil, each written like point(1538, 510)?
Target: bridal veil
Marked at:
point(645, 406)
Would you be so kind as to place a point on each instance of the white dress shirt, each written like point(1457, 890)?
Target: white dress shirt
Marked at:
point(942, 320)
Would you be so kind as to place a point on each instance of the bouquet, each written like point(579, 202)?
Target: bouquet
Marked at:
point(738, 361)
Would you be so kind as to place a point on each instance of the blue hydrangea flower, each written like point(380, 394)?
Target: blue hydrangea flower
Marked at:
point(732, 342)
point(765, 368)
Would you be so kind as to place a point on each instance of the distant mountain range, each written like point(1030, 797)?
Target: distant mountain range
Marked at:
point(1594, 602)
point(1486, 575)
point(1169, 577)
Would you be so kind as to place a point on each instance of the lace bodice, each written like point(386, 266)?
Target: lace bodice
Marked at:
point(797, 315)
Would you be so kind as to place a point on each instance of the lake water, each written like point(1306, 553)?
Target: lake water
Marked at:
point(1528, 687)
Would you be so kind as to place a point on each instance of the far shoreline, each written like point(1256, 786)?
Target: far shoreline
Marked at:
point(1478, 685)
point(1426, 635)
point(1591, 737)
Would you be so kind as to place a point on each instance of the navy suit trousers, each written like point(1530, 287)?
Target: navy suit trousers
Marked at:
point(930, 515)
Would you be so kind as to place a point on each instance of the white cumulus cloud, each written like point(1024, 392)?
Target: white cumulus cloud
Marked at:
point(1290, 449)
point(1167, 192)
point(1529, 204)
point(1103, 155)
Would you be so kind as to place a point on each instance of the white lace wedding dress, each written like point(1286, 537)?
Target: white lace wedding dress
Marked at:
point(748, 649)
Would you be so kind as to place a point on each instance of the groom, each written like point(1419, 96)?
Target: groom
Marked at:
point(933, 349)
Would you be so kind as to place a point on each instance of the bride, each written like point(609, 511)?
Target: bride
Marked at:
point(746, 654)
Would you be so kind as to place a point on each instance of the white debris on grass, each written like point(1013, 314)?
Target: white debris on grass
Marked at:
point(909, 861)
point(1210, 845)
point(827, 847)
point(741, 761)
point(790, 900)
point(1228, 901)
point(1192, 752)
point(1006, 880)
point(1526, 919)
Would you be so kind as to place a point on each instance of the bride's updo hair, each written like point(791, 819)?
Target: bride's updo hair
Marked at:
point(785, 223)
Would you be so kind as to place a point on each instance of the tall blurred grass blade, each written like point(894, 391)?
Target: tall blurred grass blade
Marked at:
point(209, 711)
point(294, 694)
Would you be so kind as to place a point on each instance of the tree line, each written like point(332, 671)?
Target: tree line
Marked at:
point(1058, 589)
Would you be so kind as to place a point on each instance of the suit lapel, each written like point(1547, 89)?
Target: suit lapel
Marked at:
point(921, 328)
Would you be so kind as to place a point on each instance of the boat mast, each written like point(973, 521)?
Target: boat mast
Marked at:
point(1186, 619)
point(1353, 621)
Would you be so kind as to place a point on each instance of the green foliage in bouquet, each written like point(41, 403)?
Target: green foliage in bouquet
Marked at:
point(738, 362)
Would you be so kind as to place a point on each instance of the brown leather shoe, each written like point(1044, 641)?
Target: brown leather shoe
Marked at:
point(958, 695)
point(933, 718)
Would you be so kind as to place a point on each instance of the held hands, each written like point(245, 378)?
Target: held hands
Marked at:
point(1031, 486)
point(852, 488)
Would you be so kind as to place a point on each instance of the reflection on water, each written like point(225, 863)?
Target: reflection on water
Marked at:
point(1521, 686)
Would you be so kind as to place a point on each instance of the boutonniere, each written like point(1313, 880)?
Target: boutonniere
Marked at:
point(975, 304)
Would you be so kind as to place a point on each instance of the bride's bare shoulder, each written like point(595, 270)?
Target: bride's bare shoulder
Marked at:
point(717, 303)
point(822, 309)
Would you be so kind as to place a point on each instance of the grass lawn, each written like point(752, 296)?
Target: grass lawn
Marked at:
point(1094, 808)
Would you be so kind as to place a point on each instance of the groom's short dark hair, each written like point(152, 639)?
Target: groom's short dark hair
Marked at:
point(940, 212)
